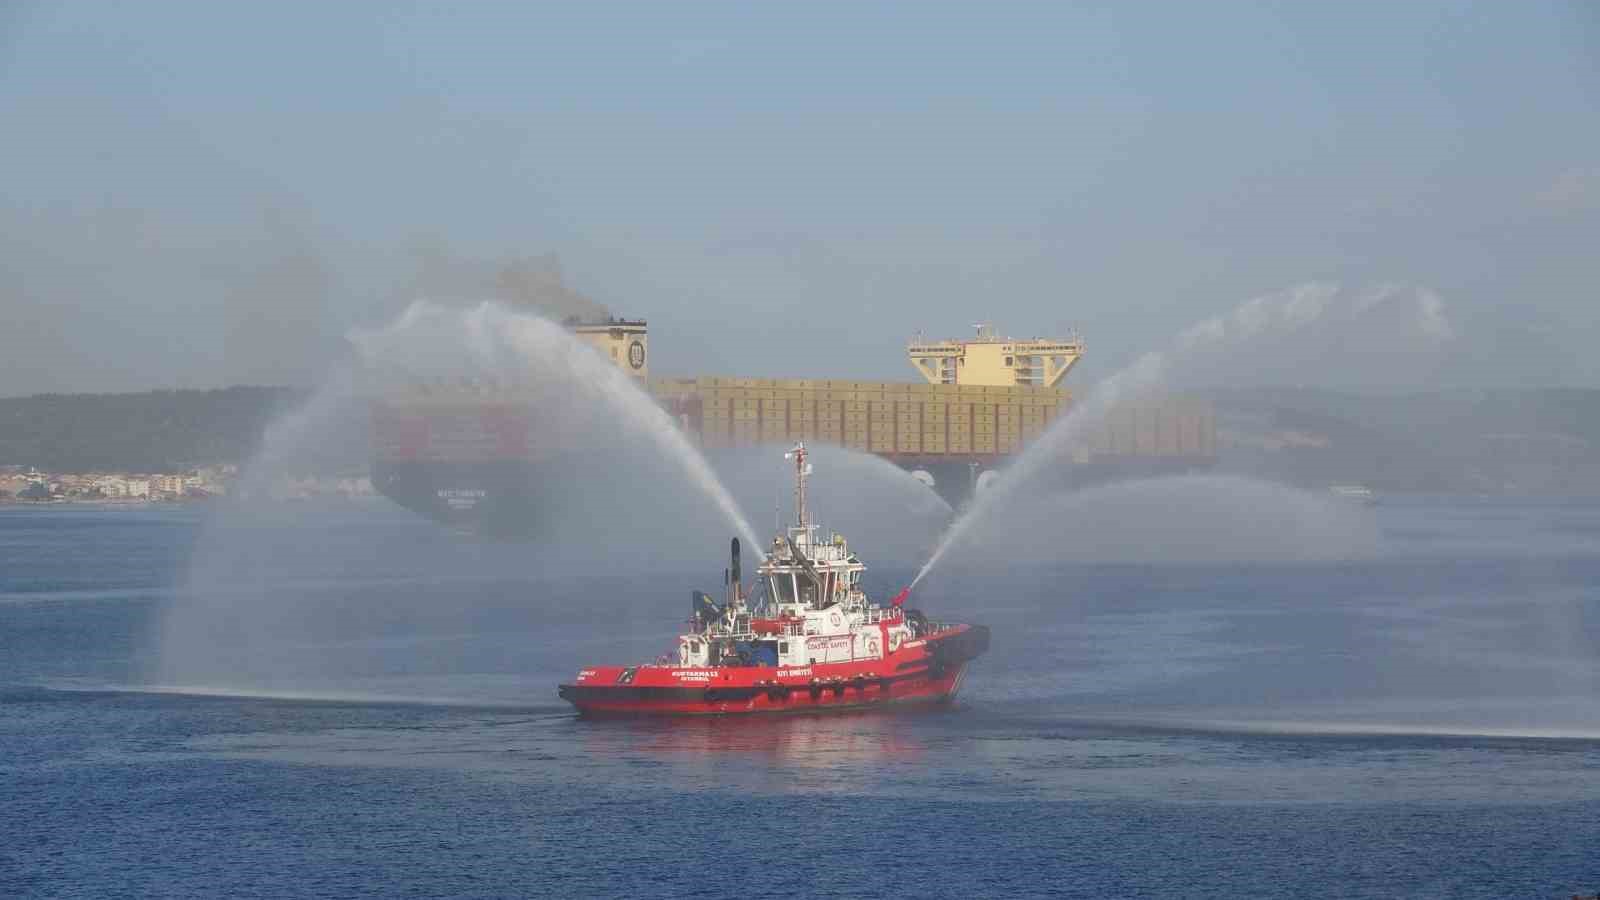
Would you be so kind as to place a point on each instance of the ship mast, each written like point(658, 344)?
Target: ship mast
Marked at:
point(798, 454)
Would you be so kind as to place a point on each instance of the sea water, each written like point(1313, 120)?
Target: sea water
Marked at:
point(1413, 722)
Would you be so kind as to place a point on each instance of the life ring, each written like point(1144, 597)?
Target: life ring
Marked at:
point(872, 647)
point(894, 641)
point(835, 619)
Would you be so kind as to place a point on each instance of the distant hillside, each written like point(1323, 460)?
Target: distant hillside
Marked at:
point(158, 431)
point(1490, 441)
point(1502, 441)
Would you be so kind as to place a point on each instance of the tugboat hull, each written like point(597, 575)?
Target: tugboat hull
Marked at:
point(926, 671)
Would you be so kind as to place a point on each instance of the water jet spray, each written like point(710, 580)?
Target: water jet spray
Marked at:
point(1269, 316)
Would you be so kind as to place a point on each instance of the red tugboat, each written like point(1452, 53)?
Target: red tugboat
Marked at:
point(805, 638)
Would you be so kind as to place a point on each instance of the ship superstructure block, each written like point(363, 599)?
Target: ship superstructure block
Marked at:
point(994, 361)
point(625, 342)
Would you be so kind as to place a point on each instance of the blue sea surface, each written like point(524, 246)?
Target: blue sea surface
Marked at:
point(346, 701)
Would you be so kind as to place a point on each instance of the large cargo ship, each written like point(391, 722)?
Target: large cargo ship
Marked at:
point(476, 455)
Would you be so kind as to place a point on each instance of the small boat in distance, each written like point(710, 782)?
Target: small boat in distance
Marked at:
point(805, 638)
point(1357, 493)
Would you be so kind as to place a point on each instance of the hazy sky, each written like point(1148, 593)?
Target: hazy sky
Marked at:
point(199, 194)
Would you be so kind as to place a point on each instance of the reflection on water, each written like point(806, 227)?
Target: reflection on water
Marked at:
point(982, 755)
point(844, 753)
point(802, 741)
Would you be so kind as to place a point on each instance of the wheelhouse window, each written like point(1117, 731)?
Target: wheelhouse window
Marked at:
point(783, 588)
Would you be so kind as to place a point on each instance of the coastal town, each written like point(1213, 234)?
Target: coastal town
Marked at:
point(25, 484)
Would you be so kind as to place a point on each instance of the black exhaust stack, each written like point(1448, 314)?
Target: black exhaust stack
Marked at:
point(738, 581)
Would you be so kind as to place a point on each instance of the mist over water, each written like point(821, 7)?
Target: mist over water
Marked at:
point(883, 510)
point(570, 390)
point(1211, 600)
point(1266, 340)
point(323, 598)
point(314, 596)
point(1176, 519)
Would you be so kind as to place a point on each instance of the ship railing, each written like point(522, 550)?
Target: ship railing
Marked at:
point(797, 627)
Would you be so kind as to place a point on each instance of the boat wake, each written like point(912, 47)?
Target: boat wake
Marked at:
point(359, 698)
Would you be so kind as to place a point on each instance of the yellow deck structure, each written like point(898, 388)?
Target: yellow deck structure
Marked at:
point(989, 360)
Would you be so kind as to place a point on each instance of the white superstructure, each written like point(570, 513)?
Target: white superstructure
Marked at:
point(811, 607)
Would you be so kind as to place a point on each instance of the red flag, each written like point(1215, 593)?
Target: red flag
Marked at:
point(900, 598)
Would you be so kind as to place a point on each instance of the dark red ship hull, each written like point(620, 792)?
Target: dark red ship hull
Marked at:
point(928, 670)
